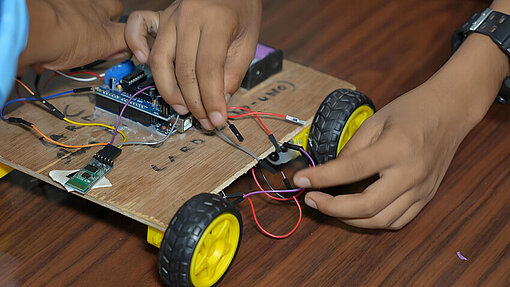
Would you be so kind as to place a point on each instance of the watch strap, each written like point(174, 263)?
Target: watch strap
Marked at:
point(497, 26)
point(494, 24)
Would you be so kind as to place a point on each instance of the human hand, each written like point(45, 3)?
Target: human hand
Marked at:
point(66, 34)
point(409, 143)
point(201, 52)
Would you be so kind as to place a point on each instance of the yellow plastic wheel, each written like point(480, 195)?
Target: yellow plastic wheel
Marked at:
point(4, 169)
point(353, 123)
point(215, 250)
point(338, 118)
point(200, 242)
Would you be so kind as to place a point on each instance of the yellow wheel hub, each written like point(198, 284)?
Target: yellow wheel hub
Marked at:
point(215, 250)
point(4, 169)
point(353, 123)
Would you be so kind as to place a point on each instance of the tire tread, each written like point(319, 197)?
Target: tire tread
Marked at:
point(330, 120)
point(185, 231)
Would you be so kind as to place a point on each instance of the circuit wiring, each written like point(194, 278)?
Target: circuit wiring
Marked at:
point(35, 98)
point(295, 192)
point(236, 112)
point(72, 76)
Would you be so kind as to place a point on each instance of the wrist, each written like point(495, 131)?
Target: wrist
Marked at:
point(473, 76)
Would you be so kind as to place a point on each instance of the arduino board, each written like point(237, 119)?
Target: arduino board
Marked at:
point(148, 108)
point(122, 82)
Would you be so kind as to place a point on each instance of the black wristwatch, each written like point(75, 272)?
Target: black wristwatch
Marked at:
point(496, 25)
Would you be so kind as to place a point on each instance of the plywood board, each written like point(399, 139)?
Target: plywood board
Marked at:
point(150, 184)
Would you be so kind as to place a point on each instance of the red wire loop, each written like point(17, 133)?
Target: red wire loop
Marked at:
point(273, 235)
point(256, 114)
point(280, 199)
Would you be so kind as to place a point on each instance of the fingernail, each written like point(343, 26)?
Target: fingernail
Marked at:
point(227, 98)
point(216, 118)
point(140, 56)
point(310, 203)
point(302, 181)
point(181, 110)
point(206, 124)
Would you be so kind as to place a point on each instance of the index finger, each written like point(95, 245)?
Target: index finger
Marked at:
point(139, 25)
point(211, 56)
point(376, 197)
point(161, 60)
point(351, 168)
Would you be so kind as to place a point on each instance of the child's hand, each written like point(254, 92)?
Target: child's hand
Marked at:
point(409, 144)
point(66, 34)
point(201, 52)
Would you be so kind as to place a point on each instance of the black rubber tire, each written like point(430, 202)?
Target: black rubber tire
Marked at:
point(330, 119)
point(184, 232)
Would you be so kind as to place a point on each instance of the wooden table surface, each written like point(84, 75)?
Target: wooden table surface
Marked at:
point(49, 237)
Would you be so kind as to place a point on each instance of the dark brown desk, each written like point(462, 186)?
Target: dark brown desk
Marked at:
point(48, 237)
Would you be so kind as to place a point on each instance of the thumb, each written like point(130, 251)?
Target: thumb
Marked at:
point(139, 25)
point(351, 168)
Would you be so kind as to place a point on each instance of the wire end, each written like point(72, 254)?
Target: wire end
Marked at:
point(19, 121)
point(291, 146)
point(80, 90)
point(295, 120)
point(235, 131)
point(275, 143)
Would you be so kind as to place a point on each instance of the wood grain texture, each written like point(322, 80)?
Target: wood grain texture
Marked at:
point(49, 238)
point(151, 183)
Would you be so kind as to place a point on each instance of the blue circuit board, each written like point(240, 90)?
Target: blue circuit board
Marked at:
point(125, 79)
point(148, 108)
point(151, 108)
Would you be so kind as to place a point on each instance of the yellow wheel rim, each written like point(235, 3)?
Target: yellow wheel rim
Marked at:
point(4, 169)
point(353, 123)
point(215, 250)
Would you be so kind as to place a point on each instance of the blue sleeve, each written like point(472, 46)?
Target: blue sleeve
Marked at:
point(13, 39)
